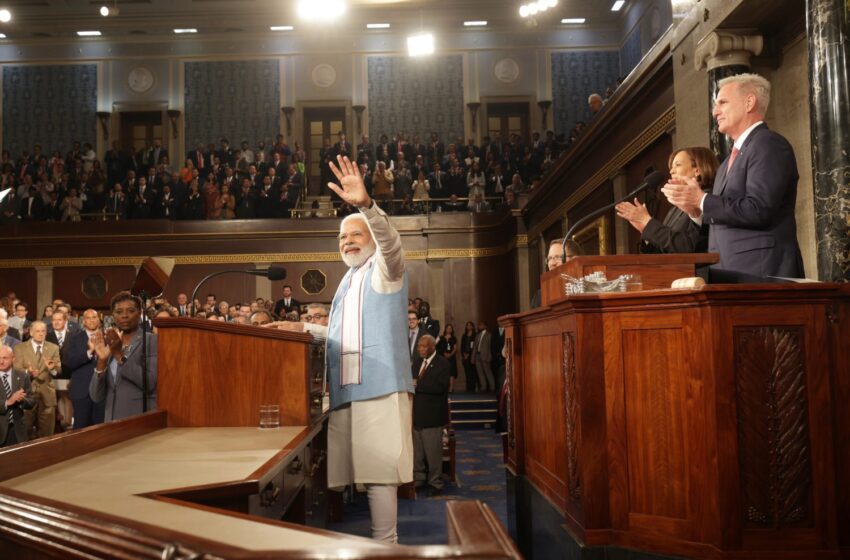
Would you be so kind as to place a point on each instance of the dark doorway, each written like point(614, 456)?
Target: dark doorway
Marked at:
point(139, 128)
point(320, 123)
point(507, 119)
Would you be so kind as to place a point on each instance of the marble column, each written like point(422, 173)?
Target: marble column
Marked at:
point(43, 289)
point(828, 33)
point(724, 54)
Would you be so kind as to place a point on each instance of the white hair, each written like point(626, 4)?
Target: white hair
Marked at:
point(355, 260)
point(592, 95)
point(751, 84)
point(351, 218)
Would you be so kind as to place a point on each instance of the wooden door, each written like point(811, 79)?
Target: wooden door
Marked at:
point(138, 130)
point(320, 123)
point(507, 119)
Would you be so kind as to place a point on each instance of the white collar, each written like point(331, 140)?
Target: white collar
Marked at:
point(35, 344)
point(743, 137)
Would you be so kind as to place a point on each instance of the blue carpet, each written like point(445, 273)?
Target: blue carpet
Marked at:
point(481, 476)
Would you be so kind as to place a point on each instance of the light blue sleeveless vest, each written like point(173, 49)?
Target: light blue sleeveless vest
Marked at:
point(386, 357)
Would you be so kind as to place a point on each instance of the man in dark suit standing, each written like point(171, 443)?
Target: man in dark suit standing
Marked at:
point(73, 351)
point(287, 303)
point(414, 333)
point(342, 147)
point(751, 209)
point(432, 375)
point(15, 397)
point(431, 325)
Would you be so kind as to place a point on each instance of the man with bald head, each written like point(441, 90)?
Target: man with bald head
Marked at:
point(15, 398)
point(367, 362)
point(432, 374)
point(41, 360)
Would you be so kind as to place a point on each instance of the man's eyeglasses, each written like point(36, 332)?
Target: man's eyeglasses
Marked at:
point(315, 316)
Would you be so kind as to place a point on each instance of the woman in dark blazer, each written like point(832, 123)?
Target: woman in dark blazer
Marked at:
point(447, 347)
point(677, 233)
point(467, 345)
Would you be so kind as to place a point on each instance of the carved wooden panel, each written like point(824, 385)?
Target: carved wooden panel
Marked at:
point(773, 429)
point(509, 411)
point(571, 405)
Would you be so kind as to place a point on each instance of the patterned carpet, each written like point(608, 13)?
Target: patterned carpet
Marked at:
point(481, 476)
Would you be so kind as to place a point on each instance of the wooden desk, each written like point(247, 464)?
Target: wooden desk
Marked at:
point(705, 423)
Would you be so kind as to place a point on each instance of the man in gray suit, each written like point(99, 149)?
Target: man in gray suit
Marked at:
point(482, 358)
point(17, 396)
point(751, 209)
point(120, 361)
point(5, 337)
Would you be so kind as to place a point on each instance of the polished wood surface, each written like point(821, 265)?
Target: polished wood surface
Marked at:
point(704, 423)
point(656, 271)
point(223, 372)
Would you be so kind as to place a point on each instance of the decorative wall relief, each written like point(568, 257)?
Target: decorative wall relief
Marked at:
point(417, 96)
point(575, 75)
point(506, 70)
point(237, 100)
point(773, 428)
point(324, 75)
point(49, 105)
point(568, 369)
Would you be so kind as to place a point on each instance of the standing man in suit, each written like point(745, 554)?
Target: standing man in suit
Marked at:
point(73, 350)
point(15, 397)
point(41, 360)
point(414, 333)
point(431, 325)
point(287, 303)
point(482, 358)
point(432, 376)
point(750, 212)
point(120, 363)
point(342, 147)
point(86, 411)
point(183, 307)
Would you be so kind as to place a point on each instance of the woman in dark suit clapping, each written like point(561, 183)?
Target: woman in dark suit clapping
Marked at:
point(467, 345)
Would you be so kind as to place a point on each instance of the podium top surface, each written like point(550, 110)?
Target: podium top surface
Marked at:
point(114, 480)
point(207, 325)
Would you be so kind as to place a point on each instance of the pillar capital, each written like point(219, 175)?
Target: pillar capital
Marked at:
point(725, 48)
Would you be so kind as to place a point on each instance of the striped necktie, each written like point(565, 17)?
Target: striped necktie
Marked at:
point(7, 390)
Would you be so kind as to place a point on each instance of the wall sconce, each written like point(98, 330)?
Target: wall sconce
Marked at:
point(473, 112)
point(358, 111)
point(173, 115)
point(103, 117)
point(287, 112)
point(544, 108)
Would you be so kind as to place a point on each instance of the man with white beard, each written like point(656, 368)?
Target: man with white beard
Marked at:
point(367, 363)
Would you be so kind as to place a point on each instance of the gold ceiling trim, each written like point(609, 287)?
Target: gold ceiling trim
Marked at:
point(649, 135)
point(258, 258)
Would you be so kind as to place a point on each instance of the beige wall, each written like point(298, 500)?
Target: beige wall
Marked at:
point(690, 88)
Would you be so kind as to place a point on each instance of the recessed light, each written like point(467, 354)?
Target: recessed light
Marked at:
point(281, 28)
point(5, 15)
point(474, 23)
point(573, 20)
point(617, 5)
point(187, 30)
point(2, 35)
point(377, 26)
point(88, 33)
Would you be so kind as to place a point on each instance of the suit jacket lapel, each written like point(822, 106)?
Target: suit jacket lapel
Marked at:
point(742, 153)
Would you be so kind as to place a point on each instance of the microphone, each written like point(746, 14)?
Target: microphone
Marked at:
point(653, 180)
point(272, 273)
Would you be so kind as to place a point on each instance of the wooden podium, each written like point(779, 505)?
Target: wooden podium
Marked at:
point(197, 478)
point(707, 423)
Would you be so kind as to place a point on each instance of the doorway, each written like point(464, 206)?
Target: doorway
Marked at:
point(507, 119)
point(320, 123)
point(138, 130)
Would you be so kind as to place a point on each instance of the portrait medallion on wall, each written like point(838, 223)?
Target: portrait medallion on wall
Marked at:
point(94, 286)
point(313, 281)
point(506, 70)
point(324, 75)
point(140, 79)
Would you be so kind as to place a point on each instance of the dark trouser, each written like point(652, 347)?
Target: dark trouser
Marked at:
point(428, 456)
point(87, 412)
point(470, 376)
point(11, 437)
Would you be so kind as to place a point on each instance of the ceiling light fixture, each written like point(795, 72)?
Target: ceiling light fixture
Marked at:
point(421, 44)
point(282, 28)
point(377, 26)
point(88, 33)
point(533, 8)
point(618, 5)
point(106, 11)
point(573, 20)
point(320, 10)
point(2, 35)
point(186, 30)
point(475, 24)
point(5, 15)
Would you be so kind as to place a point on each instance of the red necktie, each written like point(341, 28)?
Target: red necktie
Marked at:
point(422, 369)
point(732, 159)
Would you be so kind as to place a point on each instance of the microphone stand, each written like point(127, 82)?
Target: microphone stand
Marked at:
point(259, 272)
point(144, 349)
